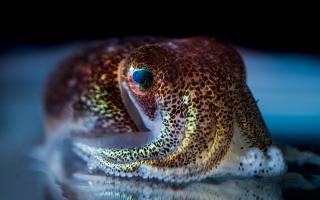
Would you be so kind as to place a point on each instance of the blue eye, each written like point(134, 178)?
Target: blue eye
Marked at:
point(142, 79)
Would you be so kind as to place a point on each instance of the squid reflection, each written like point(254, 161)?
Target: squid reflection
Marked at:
point(68, 177)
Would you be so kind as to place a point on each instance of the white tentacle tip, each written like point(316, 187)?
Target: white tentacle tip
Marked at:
point(255, 163)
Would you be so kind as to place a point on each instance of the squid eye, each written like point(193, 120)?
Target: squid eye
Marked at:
point(142, 79)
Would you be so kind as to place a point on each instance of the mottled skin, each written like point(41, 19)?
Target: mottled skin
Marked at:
point(197, 93)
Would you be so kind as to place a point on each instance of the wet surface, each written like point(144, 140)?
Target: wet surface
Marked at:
point(78, 183)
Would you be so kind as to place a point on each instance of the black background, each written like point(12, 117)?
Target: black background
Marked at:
point(264, 26)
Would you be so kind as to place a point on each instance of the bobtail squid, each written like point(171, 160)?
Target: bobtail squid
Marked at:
point(169, 109)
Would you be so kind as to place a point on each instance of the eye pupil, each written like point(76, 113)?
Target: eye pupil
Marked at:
point(142, 79)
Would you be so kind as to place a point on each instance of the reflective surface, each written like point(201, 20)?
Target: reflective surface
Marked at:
point(286, 86)
point(68, 176)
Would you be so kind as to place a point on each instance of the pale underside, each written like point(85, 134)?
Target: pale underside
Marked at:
point(240, 160)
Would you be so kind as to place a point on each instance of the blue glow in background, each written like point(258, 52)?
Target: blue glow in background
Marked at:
point(287, 86)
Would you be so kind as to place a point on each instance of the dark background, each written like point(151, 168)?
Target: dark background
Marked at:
point(269, 26)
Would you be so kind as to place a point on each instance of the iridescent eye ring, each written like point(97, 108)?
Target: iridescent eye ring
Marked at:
point(141, 80)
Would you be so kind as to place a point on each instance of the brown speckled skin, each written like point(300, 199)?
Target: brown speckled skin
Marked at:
point(75, 81)
point(198, 90)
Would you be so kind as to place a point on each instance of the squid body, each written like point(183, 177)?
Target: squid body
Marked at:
point(170, 109)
